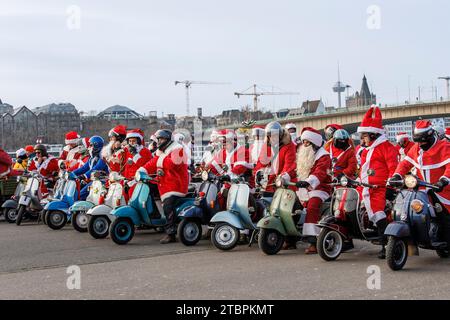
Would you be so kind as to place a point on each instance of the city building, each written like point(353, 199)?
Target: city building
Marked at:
point(308, 108)
point(118, 112)
point(362, 98)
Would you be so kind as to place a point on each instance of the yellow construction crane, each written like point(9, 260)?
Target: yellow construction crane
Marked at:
point(257, 94)
point(187, 85)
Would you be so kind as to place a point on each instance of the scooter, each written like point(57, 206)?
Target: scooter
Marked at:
point(286, 218)
point(30, 199)
point(204, 208)
point(413, 215)
point(57, 212)
point(142, 211)
point(58, 193)
point(9, 207)
point(348, 219)
point(227, 225)
point(99, 216)
point(79, 210)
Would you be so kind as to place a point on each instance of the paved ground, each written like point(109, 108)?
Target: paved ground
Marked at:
point(34, 261)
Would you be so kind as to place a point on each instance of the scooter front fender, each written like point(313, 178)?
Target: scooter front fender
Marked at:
point(57, 206)
point(101, 210)
point(126, 212)
point(191, 212)
point(398, 229)
point(227, 217)
point(81, 206)
point(331, 223)
point(272, 223)
point(10, 204)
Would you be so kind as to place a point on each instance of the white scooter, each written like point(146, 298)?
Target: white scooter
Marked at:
point(100, 216)
point(30, 199)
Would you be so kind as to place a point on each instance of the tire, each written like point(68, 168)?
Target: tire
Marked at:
point(44, 216)
point(20, 215)
point(121, 231)
point(56, 220)
point(443, 253)
point(396, 253)
point(98, 226)
point(329, 244)
point(190, 232)
point(224, 236)
point(10, 215)
point(80, 221)
point(270, 241)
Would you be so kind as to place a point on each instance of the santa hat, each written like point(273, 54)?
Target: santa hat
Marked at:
point(258, 131)
point(119, 130)
point(447, 133)
point(72, 137)
point(20, 153)
point(400, 136)
point(290, 126)
point(372, 121)
point(136, 133)
point(312, 135)
point(335, 126)
point(422, 126)
point(227, 133)
point(29, 149)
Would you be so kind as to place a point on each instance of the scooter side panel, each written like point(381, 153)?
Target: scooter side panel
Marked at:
point(273, 223)
point(10, 204)
point(57, 206)
point(398, 229)
point(101, 210)
point(191, 212)
point(287, 199)
point(227, 217)
point(127, 212)
point(81, 206)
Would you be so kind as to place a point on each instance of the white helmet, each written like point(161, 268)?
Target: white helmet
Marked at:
point(290, 126)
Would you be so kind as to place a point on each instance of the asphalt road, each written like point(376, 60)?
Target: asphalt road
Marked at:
point(34, 262)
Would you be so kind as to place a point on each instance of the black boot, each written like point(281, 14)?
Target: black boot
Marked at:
point(434, 235)
point(381, 227)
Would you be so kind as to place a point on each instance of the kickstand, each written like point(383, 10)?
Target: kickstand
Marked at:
point(252, 237)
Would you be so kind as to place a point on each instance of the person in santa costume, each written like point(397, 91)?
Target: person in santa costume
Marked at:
point(153, 145)
point(292, 129)
point(329, 131)
point(71, 152)
point(313, 166)
point(46, 165)
point(84, 154)
point(431, 159)
point(170, 164)
point(277, 158)
point(258, 135)
point(136, 156)
point(114, 153)
point(405, 144)
point(5, 164)
point(379, 159)
point(447, 134)
point(342, 154)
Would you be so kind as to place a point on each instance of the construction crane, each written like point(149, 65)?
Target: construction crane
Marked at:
point(187, 85)
point(257, 94)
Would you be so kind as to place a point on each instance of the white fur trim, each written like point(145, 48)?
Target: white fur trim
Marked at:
point(323, 195)
point(310, 229)
point(245, 164)
point(72, 141)
point(401, 137)
point(313, 137)
point(286, 177)
point(371, 130)
point(320, 153)
point(134, 135)
point(313, 181)
point(160, 161)
point(416, 131)
point(427, 167)
point(290, 126)
point(172, 193)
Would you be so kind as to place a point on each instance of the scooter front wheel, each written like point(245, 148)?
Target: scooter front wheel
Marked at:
point(224, 236)
point(329, 244)
point(122, 231)
point(20, 215)
point(80, 221)
point(10, 215)
point(270, 241)
point(190, 232)
point(56, 220)
point(396, 253)
point(98, 226)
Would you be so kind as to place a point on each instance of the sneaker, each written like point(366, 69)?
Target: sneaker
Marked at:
point(311, 249)
point(168, 239)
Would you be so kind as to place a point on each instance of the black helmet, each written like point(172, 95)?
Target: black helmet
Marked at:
point(42, 149)
point(428, 137)
point(163, 134)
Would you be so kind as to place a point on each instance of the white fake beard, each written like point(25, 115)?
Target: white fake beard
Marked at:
point(107, 150)
point(305, 161)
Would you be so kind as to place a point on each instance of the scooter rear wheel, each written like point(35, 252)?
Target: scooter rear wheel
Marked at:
point(10, 215)
point(396, 253)
point(56, 220)
point(270, 241)
point(80, 221)
point(224, 236)
point(329, 244)
point(98, 226)
point(189, 232)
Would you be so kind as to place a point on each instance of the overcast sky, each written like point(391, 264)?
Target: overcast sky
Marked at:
point(131, 52)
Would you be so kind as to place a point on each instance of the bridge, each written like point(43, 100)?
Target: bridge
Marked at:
point(351, 118)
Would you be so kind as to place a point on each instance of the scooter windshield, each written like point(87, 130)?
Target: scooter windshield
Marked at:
point(114, 193)
point(349, 196)
point(32, 185)
point(70, 188)
point(402, 203)
point(210, 190)
point(238, 198)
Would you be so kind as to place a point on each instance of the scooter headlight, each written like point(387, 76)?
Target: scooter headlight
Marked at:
point(411, 182)
point(344, 181)
point(417, 206)
point(205, 175)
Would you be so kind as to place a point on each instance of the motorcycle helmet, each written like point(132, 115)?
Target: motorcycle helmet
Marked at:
point(96, 143)
point(40, 148)
point(341, 139)
point(163, 134)
point(330, 130)
point(274, 128)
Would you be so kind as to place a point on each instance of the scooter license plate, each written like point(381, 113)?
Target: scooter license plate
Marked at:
point(25, 200)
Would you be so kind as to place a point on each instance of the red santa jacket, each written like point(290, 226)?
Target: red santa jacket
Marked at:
point(404, 151)
point(133, 163)
point(5, 163)
point(173, 163)
point(69, 157)
point(47, 168)
point(382, 157)
point(319, 178)
point(237, 161)
point(80, 162)
point(345, 163)
point(431, 166)
point(272, 164)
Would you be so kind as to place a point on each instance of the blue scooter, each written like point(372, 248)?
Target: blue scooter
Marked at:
point(142, 211)
point(414, 214)
point(57, 212)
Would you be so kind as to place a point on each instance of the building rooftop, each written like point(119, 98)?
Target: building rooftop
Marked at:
point(119, 112)
point(56, 108)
